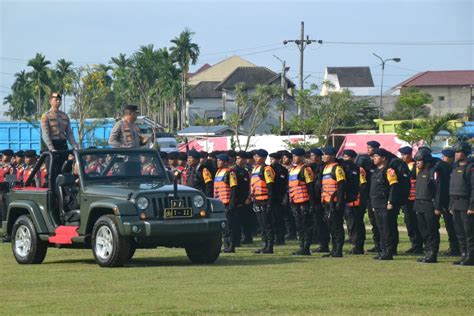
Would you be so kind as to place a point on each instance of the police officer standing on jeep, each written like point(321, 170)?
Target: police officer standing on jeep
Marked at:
point(461, 202)
point(126, 133)
point(56, 126)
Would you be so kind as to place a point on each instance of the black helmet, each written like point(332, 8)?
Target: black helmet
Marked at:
point(423, 155)
point(464, 147)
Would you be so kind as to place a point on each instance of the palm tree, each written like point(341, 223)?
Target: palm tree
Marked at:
point(184, 52)
point(40, 74)
point(63, 75)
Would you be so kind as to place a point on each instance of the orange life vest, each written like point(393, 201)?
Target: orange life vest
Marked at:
point(221, 185)
point(412, 195)
point(298, 189)
point(258, 186)
point(329, 183)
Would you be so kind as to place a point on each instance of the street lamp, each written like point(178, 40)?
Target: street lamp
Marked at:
point(397, 60)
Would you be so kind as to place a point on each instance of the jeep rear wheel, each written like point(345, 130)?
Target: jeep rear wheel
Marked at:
point(26, 245)
point(110, 249)
point(205, 252)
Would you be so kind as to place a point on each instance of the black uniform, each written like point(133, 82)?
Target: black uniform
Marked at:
point(461, 192)
point(427, 201)
point(200, 178)
point(409, 214)
point(280, 189)
point(243, 210)
point(383, 191)
point(320, 228)
point(370, 211)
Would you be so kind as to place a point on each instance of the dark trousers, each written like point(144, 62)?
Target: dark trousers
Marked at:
point(464, 225)
point(320, 227)
point(335, 220)
point(373, 223)
point(428, 223)
point(232, 232)
point(246, 221)
point(304, 223)
point(411, 223)
point(266, 221)
point(386, 221)
point(349, 219)
point(279, 222)
point(449, 224)
point(356, 216)
point(289, 219)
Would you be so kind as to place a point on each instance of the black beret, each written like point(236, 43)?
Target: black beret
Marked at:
point(30, 153)
point(163, 154)
point(173, 155)
point(183, 156)
point(298, 152)
point(203, 154)
point(213, 154)
point(7, 152)
point(405, 150)
point(350, 152)
point(241, 154)
point(131, 107)
point(330, 151)
point(425, 148)
point(20, 153)
point(231, 153)
point(373, 144)
point(448, 152)
point(248, 155)
point(223, 157)
point(276, 155)
point(286, 153)
point(193, 153)
point(381, 152)
point(261, 152)
point(316, 151)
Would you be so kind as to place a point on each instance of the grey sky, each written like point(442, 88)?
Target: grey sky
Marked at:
point(94, 31)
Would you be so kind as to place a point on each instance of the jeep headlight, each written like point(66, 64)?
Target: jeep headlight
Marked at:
point(198, 201)
point(142, 203)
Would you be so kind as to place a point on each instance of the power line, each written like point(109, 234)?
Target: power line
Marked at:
point(406, 43)
point(241, 49)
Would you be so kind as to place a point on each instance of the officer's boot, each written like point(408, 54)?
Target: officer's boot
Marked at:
point(263, 248)
point(321, 248)
point(306, 249)
point(432, 258)
point(453, 250)
point(269, 248)
point(387, 254)
point(338, 252)
point(230, 248)
point(469, 261)
point(333, 250)
point(458, 262)
point(299, 252)
point(428, 255)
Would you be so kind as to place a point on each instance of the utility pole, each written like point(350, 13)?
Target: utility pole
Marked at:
point(283, 82)
point(301, 44)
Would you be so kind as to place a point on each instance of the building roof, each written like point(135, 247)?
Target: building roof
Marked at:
point(250, 76)
point(352, 77)
point(213, 114)
point(205, 89)
point(201, 69)
point(205, 130)
point(219, 71)
point(277, 79)
point(440, 78)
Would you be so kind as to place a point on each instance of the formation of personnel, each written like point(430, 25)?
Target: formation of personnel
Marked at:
point(313, 193)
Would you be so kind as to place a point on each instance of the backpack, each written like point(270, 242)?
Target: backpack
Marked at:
point(352, 186)
point(403, 175)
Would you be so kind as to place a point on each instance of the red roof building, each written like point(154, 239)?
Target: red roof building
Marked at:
point(440, 78)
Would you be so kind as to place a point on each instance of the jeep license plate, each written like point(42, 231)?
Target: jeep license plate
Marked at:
point(178, 213)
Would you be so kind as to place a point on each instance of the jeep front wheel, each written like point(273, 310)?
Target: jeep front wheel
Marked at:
point(109, 247)
point(26, 245)
point(205, 252)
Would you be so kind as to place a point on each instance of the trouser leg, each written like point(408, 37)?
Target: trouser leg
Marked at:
point(384, 227)
point(411, 223)
point(468, 227)
point(449, 225)
point(279, 223)
point(359, 228)
point(373, 223)
point(321, 224)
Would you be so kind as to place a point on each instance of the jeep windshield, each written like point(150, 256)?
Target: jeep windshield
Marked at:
point(125, 165)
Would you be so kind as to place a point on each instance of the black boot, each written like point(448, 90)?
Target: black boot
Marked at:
point(299, 252)
point(357, 250)
point(374, 249)
point(7, 238)
point(323, 248)
point(262, 249)
point(338, 252)
point(387, 255)
point(432, 258)
point(458, 262)
point(452, 252)
point(229, 249)
point(468, 261)
point(269, 248)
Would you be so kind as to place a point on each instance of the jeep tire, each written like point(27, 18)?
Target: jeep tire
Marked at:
point(27, 247)
point(206, 251)
point(110, 249)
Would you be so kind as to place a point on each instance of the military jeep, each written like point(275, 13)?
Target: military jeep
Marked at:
point(112, 201)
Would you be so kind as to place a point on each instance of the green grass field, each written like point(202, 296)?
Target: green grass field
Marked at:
point(163, 281)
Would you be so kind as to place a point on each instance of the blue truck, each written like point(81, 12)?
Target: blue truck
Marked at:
point(22, 135)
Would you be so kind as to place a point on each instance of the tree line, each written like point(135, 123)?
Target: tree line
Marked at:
point(153, 78)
